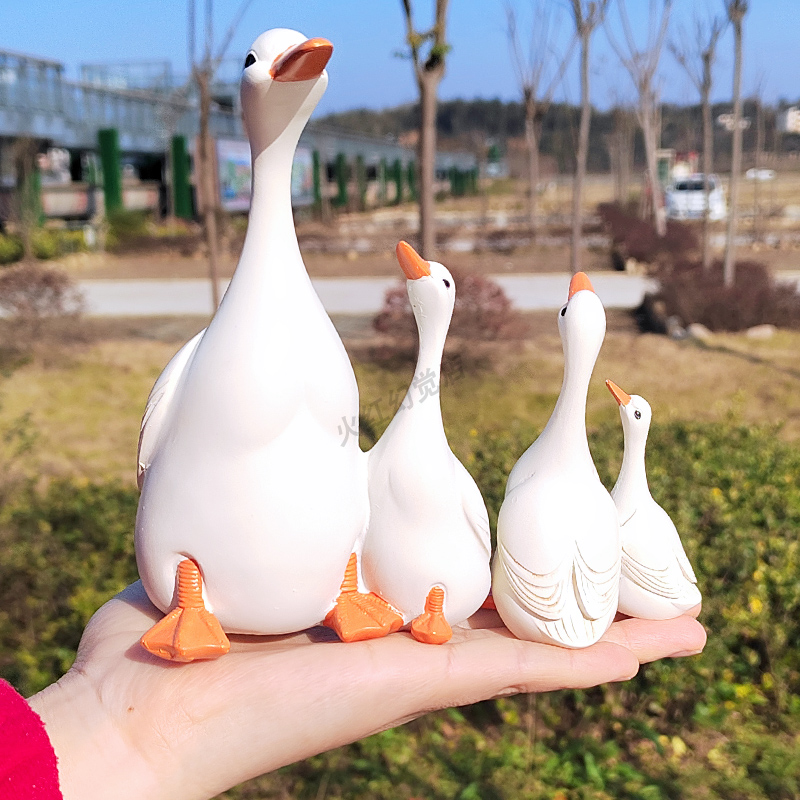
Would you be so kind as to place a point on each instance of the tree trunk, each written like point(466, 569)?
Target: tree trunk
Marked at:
point(207, 183)
point(729, 269)
point(649, 130)
point(708, 168)
point(428, 83)
point(27, 197)
point(583, 152)
point(758, 228)
point(532, 143)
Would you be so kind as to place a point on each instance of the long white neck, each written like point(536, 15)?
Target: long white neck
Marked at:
point(425, 387)
point(270, 246)
point(631, 486)
point(564, 436)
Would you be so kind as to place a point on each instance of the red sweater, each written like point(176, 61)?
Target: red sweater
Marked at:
point(28, 768)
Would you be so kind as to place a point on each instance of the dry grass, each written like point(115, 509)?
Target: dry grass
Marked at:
point(86, 404)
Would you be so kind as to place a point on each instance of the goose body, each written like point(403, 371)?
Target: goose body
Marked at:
point(657, 580)
point(242, 465)
point(428, 527)
point(555, 574)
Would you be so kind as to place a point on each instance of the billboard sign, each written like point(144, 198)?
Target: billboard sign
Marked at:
point(235, 175)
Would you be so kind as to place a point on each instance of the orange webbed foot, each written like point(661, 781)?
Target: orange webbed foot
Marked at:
point(189, 632)
point(357, 616)
point(430, 626)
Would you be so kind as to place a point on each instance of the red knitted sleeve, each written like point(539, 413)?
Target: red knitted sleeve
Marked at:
point(28, 768)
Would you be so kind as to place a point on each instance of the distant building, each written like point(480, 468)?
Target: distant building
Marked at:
point(789, 120)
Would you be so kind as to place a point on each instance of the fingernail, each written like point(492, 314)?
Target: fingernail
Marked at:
point(685, 653)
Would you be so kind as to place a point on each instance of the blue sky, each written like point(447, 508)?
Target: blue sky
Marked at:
point(366, 34)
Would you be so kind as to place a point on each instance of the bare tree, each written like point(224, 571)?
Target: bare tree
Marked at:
point(587, 17)
point(641, 64)
point(536, 97)
point(736, 9)
point(698, 60)
point(203, 72)
point(758, 218)
point(620, 149)
point(428, 51)
point(26, 200)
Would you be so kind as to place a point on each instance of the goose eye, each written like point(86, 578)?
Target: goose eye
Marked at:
point(251, 59)
point(446, 282)
point(637, 414)
point(563, 311)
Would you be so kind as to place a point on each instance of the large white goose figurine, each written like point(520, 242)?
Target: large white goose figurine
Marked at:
point(555, 575)
point(657, 580)
point(251, 500)
point(427, 547)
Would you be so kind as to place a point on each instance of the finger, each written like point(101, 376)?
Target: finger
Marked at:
point(650, 640)
point(493, 663)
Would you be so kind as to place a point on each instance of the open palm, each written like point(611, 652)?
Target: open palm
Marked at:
point(127, 724)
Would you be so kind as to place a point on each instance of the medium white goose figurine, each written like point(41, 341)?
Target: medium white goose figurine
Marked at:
point(427, 547)
point(251, 501)
point(657, 580)
point(556, 571)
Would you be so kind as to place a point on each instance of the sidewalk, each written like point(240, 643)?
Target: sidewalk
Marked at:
point(117, 298)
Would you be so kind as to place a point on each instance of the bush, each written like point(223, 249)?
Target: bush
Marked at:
point(10, 249)
point(727, 721)
point(632, 237)
point(125, 228)
point(30, 292)
point(65, 552)
point(482, 311)
point(35, 299)
point(693, 294)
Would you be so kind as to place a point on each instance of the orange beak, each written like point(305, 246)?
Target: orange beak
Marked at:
point(303, 62)
point(412, 263)
point(579, 282)
point(621, 397)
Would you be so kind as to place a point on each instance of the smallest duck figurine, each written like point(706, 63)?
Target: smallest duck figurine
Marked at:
point(657, 580)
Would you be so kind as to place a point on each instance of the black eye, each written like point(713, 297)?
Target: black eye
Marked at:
point(563, 311)
point(446, 282)
point(637, 414)
point(251, 59)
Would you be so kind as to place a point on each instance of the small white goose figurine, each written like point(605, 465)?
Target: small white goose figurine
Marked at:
point(657, 580)
point(251, 501)
point(427, 547)
point(556, 570)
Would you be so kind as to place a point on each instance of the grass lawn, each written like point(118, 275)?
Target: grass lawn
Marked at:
point(84, 401)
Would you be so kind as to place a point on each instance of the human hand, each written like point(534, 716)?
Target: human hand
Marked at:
point(126, 724)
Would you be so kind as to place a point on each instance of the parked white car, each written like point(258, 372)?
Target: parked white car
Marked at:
point(686, 198)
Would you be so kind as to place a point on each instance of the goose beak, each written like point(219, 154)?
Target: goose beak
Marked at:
point(621, 397)
point(412, 263)
point(579, 282)
point(303, 62)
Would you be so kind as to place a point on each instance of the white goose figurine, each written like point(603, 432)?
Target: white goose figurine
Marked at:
point(427, 547)
point(657, 580)
point(251, 501)
point(556, 570)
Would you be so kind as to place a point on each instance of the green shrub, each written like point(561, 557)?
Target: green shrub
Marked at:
point(719, 726)
point(71, 241)
point(45, 244)
point(10, 249)
point(64, 553)
point(125, 228)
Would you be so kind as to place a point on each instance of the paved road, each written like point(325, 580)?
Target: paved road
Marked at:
point(118, 298)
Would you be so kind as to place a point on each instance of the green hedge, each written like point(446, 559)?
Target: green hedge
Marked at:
point(722, 725)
